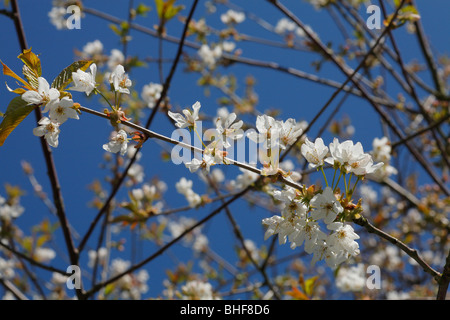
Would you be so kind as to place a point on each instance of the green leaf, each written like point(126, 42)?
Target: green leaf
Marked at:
point(109, 289)
point(172, 11)
point(42, 240)
point(166, 9)
point(135, 62)
point(159, 7)
point(114, 28)
point(17, 110)
point(142, 9)
point(310, 285)
point(65, 77)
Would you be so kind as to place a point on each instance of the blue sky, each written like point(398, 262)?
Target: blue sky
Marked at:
point(78, 156)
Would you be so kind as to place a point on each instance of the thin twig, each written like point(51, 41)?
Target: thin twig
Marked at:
point(13, 289)
point(166, 246)
point(247, 61)
point(420, 132)
point(32, 261)
point(415, 96)
point(426, 50)
point(241, 239)
point(350, 77)
point(363, 222)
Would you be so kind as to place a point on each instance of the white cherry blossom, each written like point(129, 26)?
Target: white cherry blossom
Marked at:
point(115, 58)
point(61, 110)
point(290, 130)
point(49, 129)
point(343, 238)
point(232, 17)
point(227, 128)
point(268, 132)
point(197, 290)
point(209, 55)
point(189, 118)
point(322, 251)
point(307, 231)
point(84, 81)
point(120, 80)
point(205, 163)
point(118, 143)
point(56, 15)
point(326, 206)
point(151, 93)
point(315, 152)
point(93, 48)
point(43, 95)
point(184, 187)
point(350, 157)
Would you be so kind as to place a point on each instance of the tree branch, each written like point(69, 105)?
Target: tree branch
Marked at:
point(56, 188)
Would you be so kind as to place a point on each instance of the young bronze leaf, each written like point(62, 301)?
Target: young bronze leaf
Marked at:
point(8, 72)
point(32, 61)
point(65, 77)
point(17, 110)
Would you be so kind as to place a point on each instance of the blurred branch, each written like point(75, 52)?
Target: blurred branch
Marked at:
point(248, 61)
point(8, 285)
point(385, 48)
point(31, 260)
point(135, 267)
point(414, 94)
point(444, 280)
point(7, 13)
point(426, 50)
point(363, 222)
point(422, 131)
point(329, 54)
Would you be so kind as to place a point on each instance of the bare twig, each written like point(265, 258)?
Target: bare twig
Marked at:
point(363, 222)
point(99, 286)
point(327, 52)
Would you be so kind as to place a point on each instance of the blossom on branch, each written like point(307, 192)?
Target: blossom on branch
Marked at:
point(189, 118)
point(350, 157)
point(232, 17)
point(43, 95)
point(49, 129)
point(326, 206)
point(315, 152)
point(61, 110)
point(118, 143)
point(119, 79)
point(84, 81)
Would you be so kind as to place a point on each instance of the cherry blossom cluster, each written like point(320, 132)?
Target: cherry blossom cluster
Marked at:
point(60, 109)
point(299, 224)
point(381, 151)
point(232, 17)
point(272, 135)
point(10, 209)
point(184, 187)
point(304, 213)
